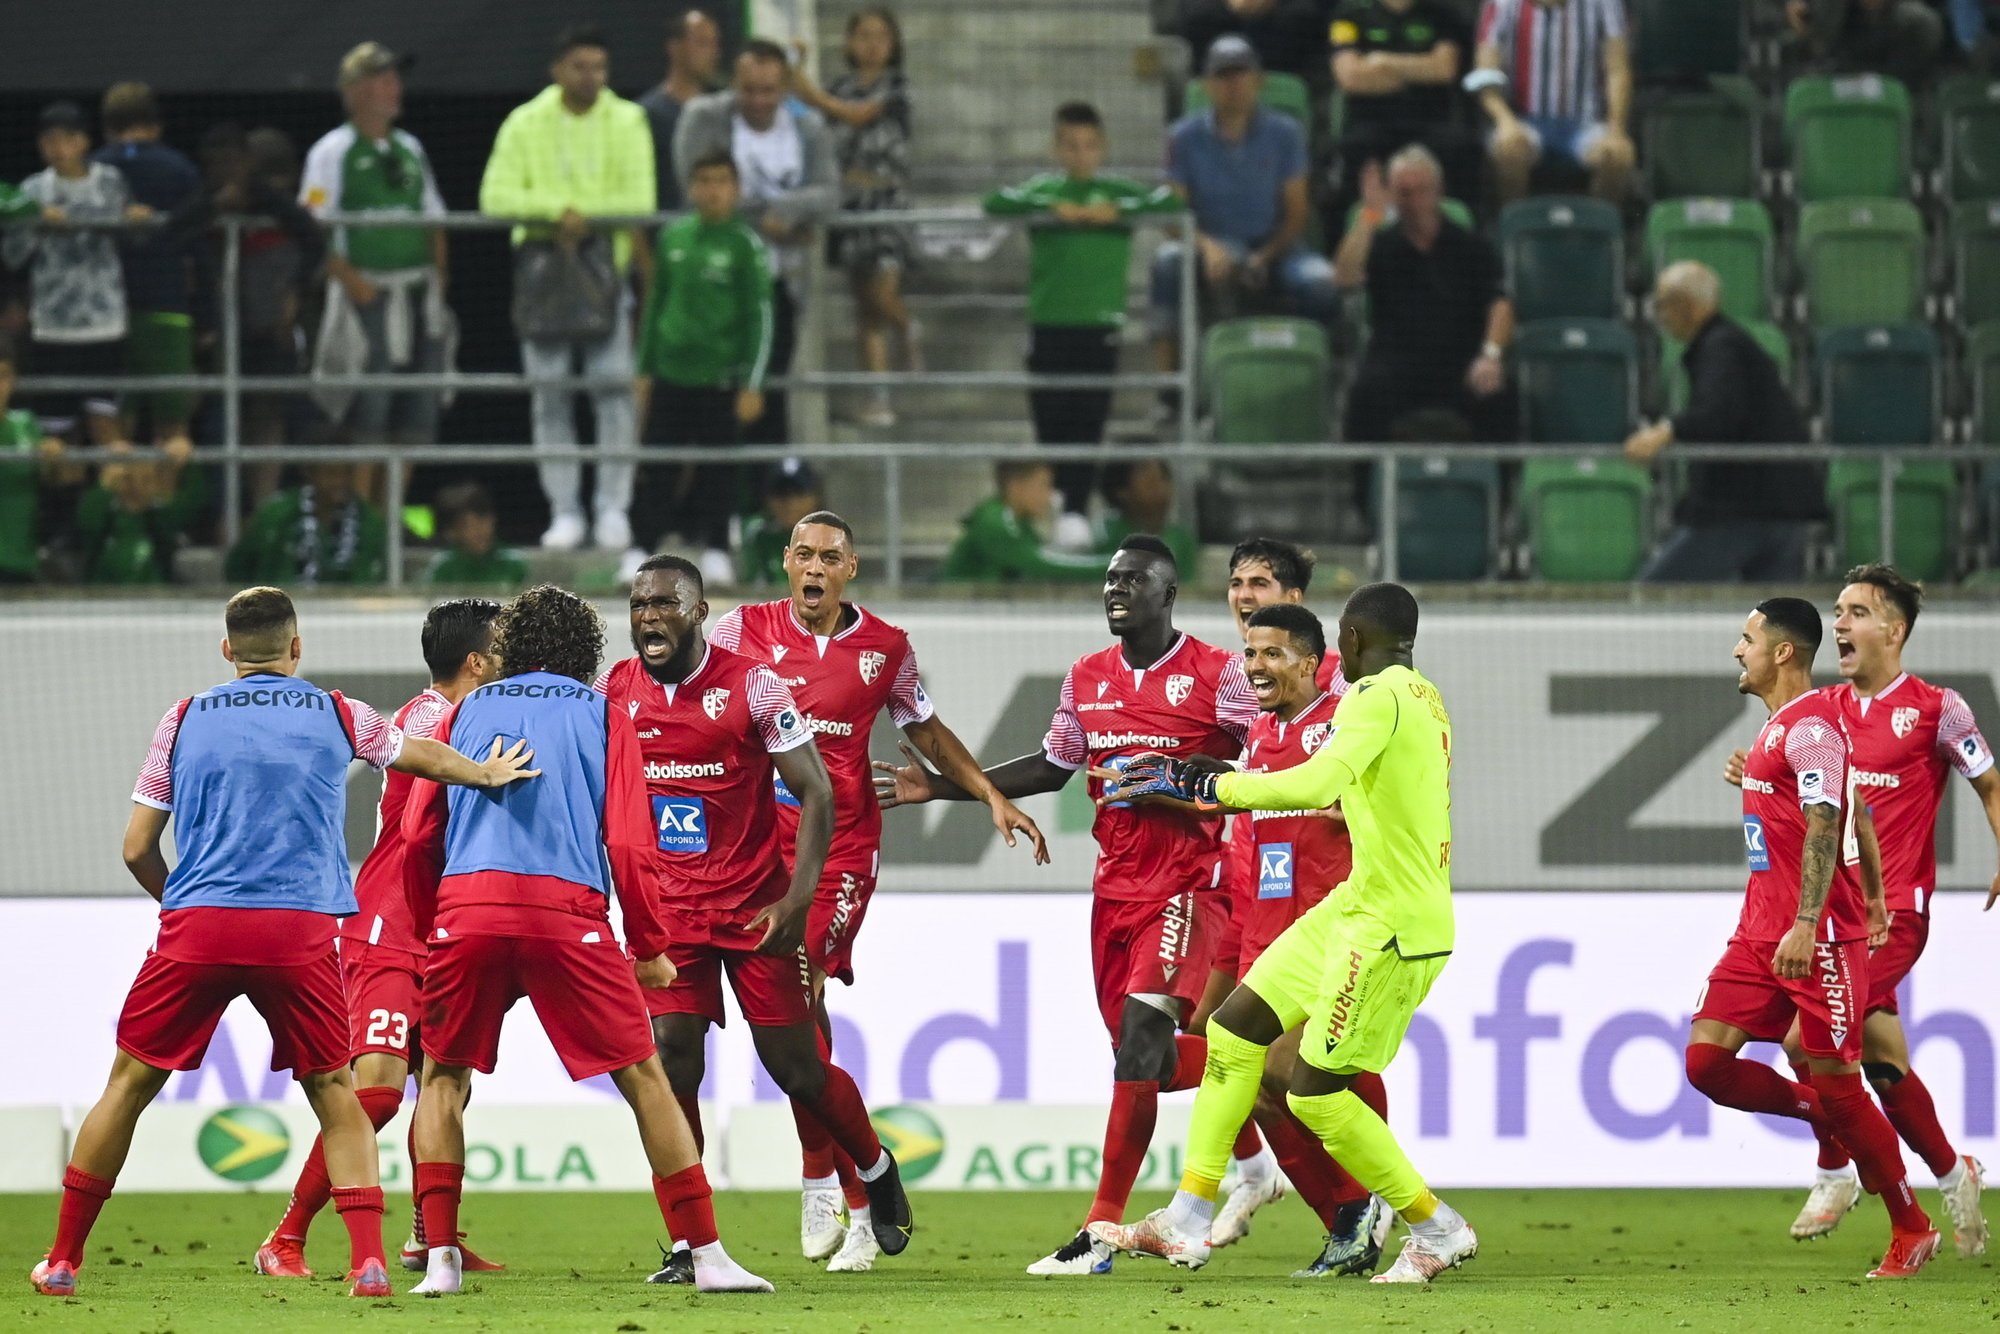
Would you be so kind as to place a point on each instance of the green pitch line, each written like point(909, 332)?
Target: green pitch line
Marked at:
point(1548, 1260)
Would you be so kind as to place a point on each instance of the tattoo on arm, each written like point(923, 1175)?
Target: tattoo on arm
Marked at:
point(1822, 854)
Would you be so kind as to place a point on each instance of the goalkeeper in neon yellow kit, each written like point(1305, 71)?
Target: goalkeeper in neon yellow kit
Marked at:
point(1354, 968)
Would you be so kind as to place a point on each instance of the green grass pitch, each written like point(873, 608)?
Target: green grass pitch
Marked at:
point(1549, 1260)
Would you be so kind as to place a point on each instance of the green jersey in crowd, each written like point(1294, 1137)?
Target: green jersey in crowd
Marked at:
point(1076, 271)
point(761, 558)
point(708, 317)
point(347, 173)
point(20, 493)
point(995, 545)
point(1113, 528)
point(502, 568)
point(125, 546)
point(290, 541)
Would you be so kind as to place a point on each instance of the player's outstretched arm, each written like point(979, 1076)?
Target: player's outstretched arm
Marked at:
point(913, 784)
point(784, 922)
point(441, 764)
point(143, 857)
point(952, 760)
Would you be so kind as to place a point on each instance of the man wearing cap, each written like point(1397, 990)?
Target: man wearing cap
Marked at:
point(1242, 170)
point(385, 285)
point(791, 490)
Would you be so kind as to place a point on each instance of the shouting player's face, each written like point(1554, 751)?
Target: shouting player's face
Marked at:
point(1279, 671)
point(667, 612)
point(1868, 634)
point(1757, 653)
point(1138, 593)
point(1253, 585)
point(818, 564)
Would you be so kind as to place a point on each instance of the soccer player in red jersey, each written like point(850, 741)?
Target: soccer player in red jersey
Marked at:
point(253, 774)
point(1906, 734)
point(1159, 871)
point(381, 955)
point(717, 728)
point(844, 666)
point(1800, 950)
point(512, 896)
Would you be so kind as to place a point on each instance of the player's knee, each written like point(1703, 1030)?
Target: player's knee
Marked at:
point(1882, 1073)
point(800, 1075)
point(1707, 1064)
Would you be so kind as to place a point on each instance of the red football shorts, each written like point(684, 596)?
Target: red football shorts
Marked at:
point(1152, 949)
point(1909, 932)
point(773, 991)
point(1744, 993)
point(584, 992)
point(1228, 954)
point(385, 989)
point(838, 906)
point(172, 1010)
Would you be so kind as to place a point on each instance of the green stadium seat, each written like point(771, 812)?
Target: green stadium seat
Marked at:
point(1879, 385)
point(1282, 92)
point(1674, 381)
point(1446, 517)
point(1862, 261)
point(1926, 512)
point(1266, 381)
point(1578, 381)
point(1975, 262)
point(1586, 518)
point(1731, 236)
point(1982, 374)
point(1968, 109)
point(1704, 143)
point(1565, 258)
point(1849, 137)
point(1686, 39)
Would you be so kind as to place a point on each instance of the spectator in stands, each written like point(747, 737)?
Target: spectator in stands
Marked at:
point(159, 337)
point(385, 288)
point(1000, 541)
point(790, 181)
point(576, 151)
point(130, 526)
point(319, 532)
point(1555, 78)
point(1141, 499)
point(472, 555)
point(1397, 64)
point(694, 53)
point(27, 454)
point(1438, 316)
point(1737, 521)
point(1242, 170)
point(1288, 35)
point(868, 108)
point(791, 490)
point(1899, 38)
point(77, 317)
point(1078, 259)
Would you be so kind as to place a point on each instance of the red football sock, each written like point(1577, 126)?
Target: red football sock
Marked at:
point(852, 1188)
point(314, 1188)
point(1248, 1142)
point(1728, 1080)
point(1907, 1104)
point(845, 1116)
point(1128, 1133)
point(1832, 1155)
point(1191, 1058)
point(83, 1195)
point(416, 1202)
point(1319, 1180)
point(439, 1186)
point(688, 1205)
point(691, 1109)
point(360, 1207)
point(1868, 1136)
point(1368, 1087)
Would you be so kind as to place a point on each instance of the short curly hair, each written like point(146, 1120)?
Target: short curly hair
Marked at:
point(549, 629)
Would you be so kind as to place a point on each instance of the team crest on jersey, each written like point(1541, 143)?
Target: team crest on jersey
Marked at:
point(1772, 736)
point(1903, 722)
point(1178, 689)
point(714, 701)
point(871, 665)
point(1315, 736)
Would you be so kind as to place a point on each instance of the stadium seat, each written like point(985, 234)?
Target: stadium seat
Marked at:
point(1862, 261)
point(1731, 236)
point(1982, 375)
point(1674, 381)
point(1455, 209)
point(1849, 137)
point(1704, 144)
point(1446, 515)
point(1879, 385)
point(1282, 92)
point(1578, 381)
point(1565, 258)
point(1968, 110)
point(1586, 518)
point(1678, 40)
point(1926, 512)
point(1975, 262)
point(1266, 381)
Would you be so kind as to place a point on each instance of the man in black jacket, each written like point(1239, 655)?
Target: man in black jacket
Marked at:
point(1738, 521)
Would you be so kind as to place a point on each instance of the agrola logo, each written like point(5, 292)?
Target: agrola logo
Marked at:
point(243, 1143)
point(913, 1136)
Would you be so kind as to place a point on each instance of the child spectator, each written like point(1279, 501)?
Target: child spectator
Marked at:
point(1141, 497)
point(26, 457)
point(706, 338)
point(78, 313)
point(998, 541)
point(473, 558)
point(1076, 290)
point(792, 490)
point(869, 110)
point(130, 526)
point(320, 532)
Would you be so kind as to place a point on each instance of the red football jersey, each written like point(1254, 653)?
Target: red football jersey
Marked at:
point(1240, 854)
point(1799, 759)
point(1299, 854)
point(841, 682)
point(708, 743)
point(1194, 700)
point(1903, 739)
point(384, 915)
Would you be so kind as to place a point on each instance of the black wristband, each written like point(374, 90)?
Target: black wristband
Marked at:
point(1203, 786)
point(1804, 918)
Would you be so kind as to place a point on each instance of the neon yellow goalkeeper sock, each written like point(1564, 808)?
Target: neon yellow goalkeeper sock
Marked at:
point(1360, 1141)
point(1228, 1091)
